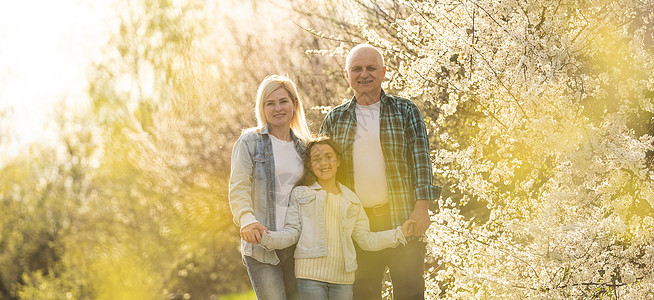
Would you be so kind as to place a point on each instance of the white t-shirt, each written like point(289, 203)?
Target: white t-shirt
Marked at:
point(367, 156)
point(288, 172)
point(289, 169)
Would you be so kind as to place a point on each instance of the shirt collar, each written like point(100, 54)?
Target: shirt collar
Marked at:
point(264, 130)
point(315, 186)
point(345, 192)
point(350, 106)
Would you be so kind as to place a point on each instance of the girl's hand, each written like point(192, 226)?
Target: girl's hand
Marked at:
point(252, 233)
point(407, 227)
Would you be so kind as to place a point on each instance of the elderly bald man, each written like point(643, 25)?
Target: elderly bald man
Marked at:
point(385, 149)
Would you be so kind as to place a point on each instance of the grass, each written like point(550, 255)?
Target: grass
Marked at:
point(242, 296)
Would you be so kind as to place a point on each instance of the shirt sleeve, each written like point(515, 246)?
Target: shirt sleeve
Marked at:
point(247, 219)
point(240, 182)
point(290, 233)
point(378, 240)
point(326, 126)
point(418, 141)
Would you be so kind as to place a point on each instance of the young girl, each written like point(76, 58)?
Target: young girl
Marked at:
point(266, 165)
point(324, 217)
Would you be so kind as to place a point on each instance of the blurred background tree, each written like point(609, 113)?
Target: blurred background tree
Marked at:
point(131, 201)
point(539, 115)
point(540, 118)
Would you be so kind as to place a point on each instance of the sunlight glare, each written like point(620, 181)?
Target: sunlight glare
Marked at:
point(45, 48)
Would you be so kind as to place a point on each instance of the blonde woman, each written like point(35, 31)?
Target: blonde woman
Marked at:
point(266, 165)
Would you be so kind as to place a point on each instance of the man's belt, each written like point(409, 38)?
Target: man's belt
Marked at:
point(378, 210)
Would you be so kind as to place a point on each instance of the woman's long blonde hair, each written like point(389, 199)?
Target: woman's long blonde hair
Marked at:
point(267, 87)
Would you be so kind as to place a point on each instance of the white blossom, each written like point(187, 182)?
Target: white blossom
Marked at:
point(551, 148)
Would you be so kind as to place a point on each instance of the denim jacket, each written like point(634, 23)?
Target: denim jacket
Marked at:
point(305, 225)
point(252, 185)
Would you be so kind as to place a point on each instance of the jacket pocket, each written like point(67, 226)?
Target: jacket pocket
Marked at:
point(259, 166)
point(308, 212)
point(309, 237)
point(352, 216)
point(353, 210)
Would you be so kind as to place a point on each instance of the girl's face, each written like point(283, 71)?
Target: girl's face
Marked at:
point(324, 162)
point(279, 108)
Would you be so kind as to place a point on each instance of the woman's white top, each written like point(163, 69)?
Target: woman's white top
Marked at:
point(288, 172)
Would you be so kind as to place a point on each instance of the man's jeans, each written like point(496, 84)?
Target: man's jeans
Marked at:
point(406, 264)
point(274, 282)
point(318, 290)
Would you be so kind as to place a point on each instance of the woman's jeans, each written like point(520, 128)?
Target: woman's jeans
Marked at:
point(274, 282)
point(318, 290)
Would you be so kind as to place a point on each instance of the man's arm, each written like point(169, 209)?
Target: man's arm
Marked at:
point(425, 191)
point(420, 215)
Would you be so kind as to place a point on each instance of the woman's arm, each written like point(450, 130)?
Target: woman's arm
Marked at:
point(240, 182)
point(240, 193)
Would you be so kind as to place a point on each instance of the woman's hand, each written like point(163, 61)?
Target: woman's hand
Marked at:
point(407, 227)
point(252, 233)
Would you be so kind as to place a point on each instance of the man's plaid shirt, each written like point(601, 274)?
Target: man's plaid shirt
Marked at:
point(405, 147)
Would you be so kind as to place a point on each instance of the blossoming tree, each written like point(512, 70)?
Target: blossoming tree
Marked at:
point(540, 111)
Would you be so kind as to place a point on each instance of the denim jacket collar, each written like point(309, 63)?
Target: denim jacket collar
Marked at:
point(345, 192)
point(299, 144)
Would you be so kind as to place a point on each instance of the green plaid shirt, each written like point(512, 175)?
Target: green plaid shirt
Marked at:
point(405, 147)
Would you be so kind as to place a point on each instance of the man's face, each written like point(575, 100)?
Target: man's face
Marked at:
point(365, 71)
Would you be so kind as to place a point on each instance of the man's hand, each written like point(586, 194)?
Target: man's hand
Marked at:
point(407, 227)
point(420, 214)
point(252, 233)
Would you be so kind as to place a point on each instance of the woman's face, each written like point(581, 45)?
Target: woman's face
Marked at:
point(279, 108)
point(324, 162)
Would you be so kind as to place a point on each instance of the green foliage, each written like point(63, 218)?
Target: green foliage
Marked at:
point(41, 194)
point(50, 286)
point(161, 205)
point(243, 296)
point(131, 201)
